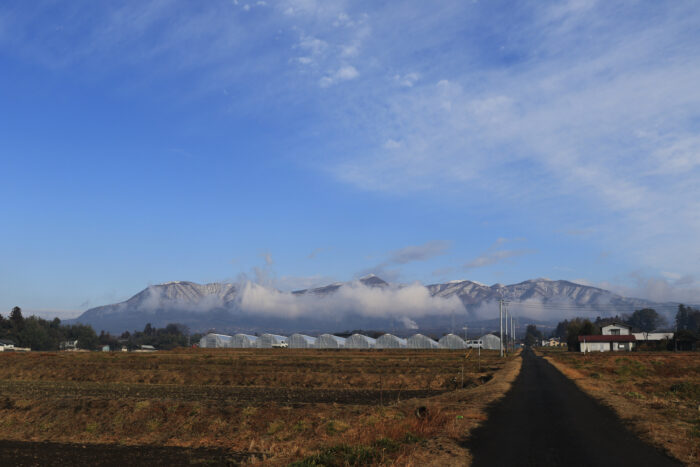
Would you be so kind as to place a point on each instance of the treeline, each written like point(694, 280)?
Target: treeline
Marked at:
point(40, 334)
point(687, 325)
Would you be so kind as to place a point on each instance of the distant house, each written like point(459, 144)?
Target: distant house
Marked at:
point(606, 343)
point(616, 329)
point(653, 336)
point(145, 348)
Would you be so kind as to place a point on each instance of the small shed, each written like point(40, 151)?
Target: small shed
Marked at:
point(360, 341)
point(452, 341)
point(419, 341)
point(301, 341)
point(243, 341)
point(390, 341)
point(267, 341)
point(329, 341)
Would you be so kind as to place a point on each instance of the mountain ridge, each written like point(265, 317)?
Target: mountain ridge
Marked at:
point(221, 305)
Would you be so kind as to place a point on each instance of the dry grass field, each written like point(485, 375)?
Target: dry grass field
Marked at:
point(657, 393)
point(276, 406)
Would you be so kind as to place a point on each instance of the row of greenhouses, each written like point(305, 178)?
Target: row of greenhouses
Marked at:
point(355, 341)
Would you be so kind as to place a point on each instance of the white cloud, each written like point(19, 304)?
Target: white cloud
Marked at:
point(405, 303)
point(344, 73)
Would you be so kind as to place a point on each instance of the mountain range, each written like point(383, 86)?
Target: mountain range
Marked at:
point(365, 303)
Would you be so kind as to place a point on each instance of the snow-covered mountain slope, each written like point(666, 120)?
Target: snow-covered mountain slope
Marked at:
point(219, 305)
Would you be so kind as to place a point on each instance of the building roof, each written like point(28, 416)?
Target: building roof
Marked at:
point(599, 338)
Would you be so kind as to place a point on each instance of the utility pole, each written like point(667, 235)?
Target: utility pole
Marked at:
point(465, 332)
point(506, 325)
point(500, 320)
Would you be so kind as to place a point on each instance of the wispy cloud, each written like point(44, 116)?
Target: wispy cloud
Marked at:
point(495, 254)
point(422, 252)
point(412, 253)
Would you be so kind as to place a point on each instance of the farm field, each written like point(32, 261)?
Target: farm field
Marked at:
point(657, 393)
point(276, 406)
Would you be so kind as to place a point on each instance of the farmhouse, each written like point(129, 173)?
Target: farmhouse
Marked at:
point(606, 343)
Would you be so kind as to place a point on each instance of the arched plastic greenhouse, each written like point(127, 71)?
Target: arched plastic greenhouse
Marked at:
point(419, 341)
point(215, 341)
point(360, 341)
point(490, 342)
point(390, 341)
point(452, 341)
point(301, 341)
point(267, 341)
point(329, 341)
point(243, 341)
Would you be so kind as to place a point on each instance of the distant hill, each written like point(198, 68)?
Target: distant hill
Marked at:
point(340, 306)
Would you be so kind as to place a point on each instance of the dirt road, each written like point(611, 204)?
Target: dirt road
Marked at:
point(546, 420)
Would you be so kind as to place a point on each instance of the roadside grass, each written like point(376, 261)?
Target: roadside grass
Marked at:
point(658, 393)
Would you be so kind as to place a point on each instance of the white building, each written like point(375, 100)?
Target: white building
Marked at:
point(616, 329)
point(606, 343)
point(301, 341)
point(329, 341)
point(360, 341)
point(652, 336)
point(243, 341)
point(419, 341)
point(490, 342)
point(390, 341)
point(452, 341)
point(215, 341)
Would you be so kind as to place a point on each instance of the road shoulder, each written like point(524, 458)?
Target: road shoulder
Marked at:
point(467, 409)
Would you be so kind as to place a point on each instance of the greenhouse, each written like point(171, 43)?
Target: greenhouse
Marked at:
point(490, 342)
point(329, 341)
point(419, 341)
point(452, 341)
point(360, 341)
point(243, 341)
point(215, 341)
point(267, 341)
point(301, 341)
point(390, 341)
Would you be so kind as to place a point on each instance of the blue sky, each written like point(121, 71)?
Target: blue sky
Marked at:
point(300, 142)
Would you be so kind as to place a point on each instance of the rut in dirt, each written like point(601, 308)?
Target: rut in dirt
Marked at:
point(545, 419)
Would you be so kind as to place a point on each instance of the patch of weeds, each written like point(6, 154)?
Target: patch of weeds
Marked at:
point(91, 427)
point(595, 375)
point(140, 405)
point(634, 395)
point(631, 368)
point(335, 426)
point(153, 425)
point(410, 438)
point(686, 390)
point(300, 426)
point(274, 427)
point(248, 411)
point(344, 455)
